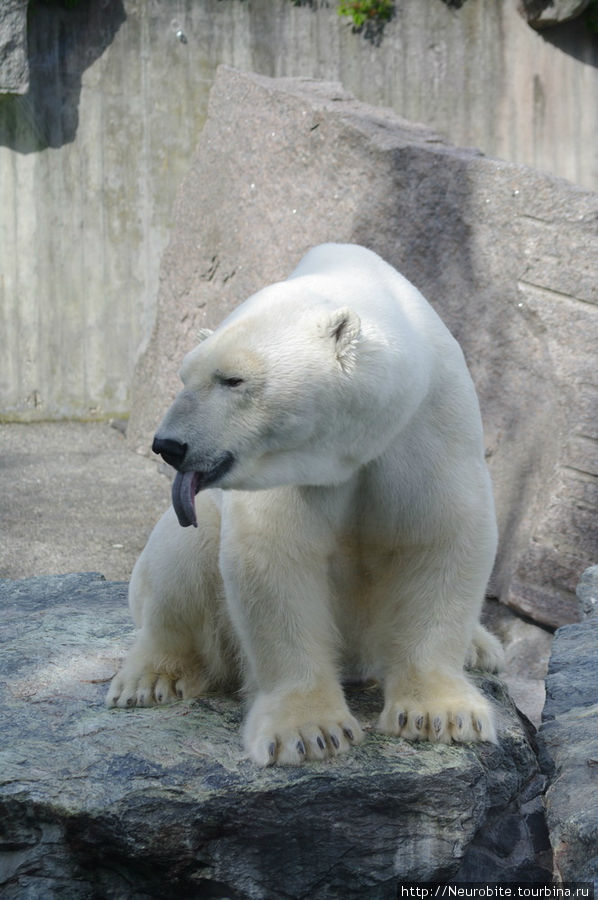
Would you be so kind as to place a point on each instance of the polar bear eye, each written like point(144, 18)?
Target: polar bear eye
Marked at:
point(232, 382)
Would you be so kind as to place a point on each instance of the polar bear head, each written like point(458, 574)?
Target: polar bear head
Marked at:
point(281, 393)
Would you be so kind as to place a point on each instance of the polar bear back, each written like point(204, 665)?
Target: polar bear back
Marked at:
point(354, 276)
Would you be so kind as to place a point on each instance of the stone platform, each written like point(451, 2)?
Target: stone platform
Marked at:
point(163, 802)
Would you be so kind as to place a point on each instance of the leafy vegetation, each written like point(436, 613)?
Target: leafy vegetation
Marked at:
point(363, 12)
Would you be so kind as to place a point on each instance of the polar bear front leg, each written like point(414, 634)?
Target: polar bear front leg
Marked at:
point(274, 567)
point(434, 624)
point(185, 645)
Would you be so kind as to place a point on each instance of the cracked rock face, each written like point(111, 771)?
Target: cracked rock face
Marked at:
point(155, 802)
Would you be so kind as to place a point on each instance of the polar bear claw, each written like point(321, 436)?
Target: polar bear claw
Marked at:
point(415, 722)
point(146, 687)
point(289, 740)
point(447, 709)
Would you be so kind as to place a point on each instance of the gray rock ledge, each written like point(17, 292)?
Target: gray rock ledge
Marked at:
point(163, 803)
point(568, 742)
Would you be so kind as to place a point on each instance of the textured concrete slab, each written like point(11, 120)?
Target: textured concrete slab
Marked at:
point(73, 497)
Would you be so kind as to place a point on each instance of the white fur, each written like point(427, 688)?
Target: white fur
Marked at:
point(353, 536)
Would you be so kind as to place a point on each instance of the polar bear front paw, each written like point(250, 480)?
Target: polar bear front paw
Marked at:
point(298, 728)
point(147, 688)
point(460, 716)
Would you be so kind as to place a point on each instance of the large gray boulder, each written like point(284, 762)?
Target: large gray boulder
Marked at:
point(162, 802)
point(568, 740)
point(507, 255)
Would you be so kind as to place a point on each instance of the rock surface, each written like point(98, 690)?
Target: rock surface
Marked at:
point(568, 742)
point(162, 802)
point(587, 592)
point(508, 256)
point(547, 13)
point(14, 65)
point(527, 651)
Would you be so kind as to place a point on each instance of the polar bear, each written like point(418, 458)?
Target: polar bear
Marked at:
point(345, 526)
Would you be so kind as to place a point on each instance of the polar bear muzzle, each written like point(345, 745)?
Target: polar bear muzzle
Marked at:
point(187, 484)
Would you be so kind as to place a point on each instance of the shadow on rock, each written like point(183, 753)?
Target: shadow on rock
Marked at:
point(63, 43)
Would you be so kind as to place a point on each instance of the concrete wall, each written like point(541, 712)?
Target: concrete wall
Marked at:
point(92, 154)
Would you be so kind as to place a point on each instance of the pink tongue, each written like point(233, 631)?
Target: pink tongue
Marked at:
point(184, 489)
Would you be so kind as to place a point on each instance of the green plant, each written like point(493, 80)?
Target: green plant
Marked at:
point(364, 12)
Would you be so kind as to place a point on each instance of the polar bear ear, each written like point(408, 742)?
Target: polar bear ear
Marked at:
point(202, 334)
point(343, 326)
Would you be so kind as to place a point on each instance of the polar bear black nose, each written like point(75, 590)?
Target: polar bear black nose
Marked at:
point(172, 452)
